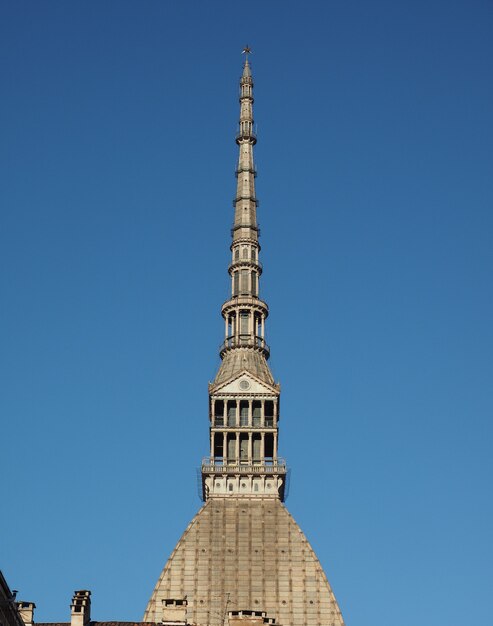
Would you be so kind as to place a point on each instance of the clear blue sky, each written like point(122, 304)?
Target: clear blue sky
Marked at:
point(375, 168)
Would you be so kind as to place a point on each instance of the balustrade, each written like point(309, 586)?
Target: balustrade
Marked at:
point(245, 341)
point(221, 465)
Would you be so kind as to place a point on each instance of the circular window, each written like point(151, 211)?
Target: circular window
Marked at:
point(244, 384)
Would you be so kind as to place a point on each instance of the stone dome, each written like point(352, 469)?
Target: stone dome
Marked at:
point(245, 554)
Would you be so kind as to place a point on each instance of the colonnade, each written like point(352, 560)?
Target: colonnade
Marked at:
point(261, 413)
point(244, 327)
point(247, 447)
point(244, 430)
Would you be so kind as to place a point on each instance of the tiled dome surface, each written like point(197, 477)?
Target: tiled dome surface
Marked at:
point(240, 554)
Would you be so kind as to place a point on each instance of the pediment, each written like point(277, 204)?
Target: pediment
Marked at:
point(244, 383)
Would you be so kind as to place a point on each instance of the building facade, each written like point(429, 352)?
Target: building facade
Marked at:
point(12, 612)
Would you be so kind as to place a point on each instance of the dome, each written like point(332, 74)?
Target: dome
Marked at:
point(245, 554)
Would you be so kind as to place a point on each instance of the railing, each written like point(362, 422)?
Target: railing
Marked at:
point(246, 135)
point(245, 341)
point(239, 170)
point(220, 465)
point(220, 422)
point(245, 299)
point(249, 261)
point(268, 461)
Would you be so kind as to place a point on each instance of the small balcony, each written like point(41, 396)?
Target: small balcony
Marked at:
point(244, 300)
point(240, 170)
point(246, 136)
point(220, 465)
point(245, 341)
point(246, 262)
point(220, 422)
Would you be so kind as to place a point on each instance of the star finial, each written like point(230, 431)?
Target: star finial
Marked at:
point(246, 50)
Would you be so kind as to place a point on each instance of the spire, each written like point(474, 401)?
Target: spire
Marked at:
point(247, 73)
point(243, 560)
point(244, 399)
point(246, 70)
point(245, 313)
point(245, 202)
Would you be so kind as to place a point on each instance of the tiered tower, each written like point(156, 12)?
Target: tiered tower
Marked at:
point(243, 558)
point(244, 400)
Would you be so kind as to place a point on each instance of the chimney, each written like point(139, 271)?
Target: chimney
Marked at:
point(26, 612)
point(80, 608)
point(174, 612)
point(250, 618)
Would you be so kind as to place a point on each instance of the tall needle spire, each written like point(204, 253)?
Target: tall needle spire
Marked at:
point(243, 394)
